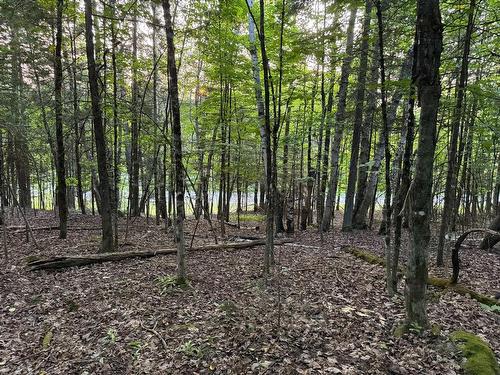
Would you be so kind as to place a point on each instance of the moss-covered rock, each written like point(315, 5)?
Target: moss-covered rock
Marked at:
point(480, 358)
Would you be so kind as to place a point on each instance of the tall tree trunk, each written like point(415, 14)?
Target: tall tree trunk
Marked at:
point(200, 144)
point(307, 209)
point(385, 135)
point(404, 178)
point(270, 187)
point(429, 41)
point(366, 135)
point(326, 150)
point(116, 146)
point(451, 176)
point(60, 165)
point(339, 124)
point(176, 144)
point(359, 220)
point(76, 121)
point(358, 120)
point(100, 137)
point(20, 168)
point(134, 124)
point(257, 88)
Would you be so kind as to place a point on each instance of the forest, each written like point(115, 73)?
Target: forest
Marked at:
point(249, 187)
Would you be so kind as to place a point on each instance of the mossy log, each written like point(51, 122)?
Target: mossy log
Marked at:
point(372, 258)
point(83, 260)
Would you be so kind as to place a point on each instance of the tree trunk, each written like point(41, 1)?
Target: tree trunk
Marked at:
point(358, 120)
point(359, 220)
point(429, 42)
point(387, 154)
point(307, 209)
point(491, 240)
point(258, 91)
point(404, 178)
point(176, 144)
point(20, 167)
point(100, 137)
point(366, 134)
point(339, 124)
point(60, 165)
point(76, 125)
point(451, 176)
point(134, 124)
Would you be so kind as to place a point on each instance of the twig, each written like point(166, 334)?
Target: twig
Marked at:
point(152, 330)
point(306, 246)
point(338, 278)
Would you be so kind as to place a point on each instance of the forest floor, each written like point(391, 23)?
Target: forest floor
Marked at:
point(323, 312)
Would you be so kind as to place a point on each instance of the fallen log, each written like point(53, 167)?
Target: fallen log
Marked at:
point(83, 260)
point(455, 260)
point(375, 259)
point(22, 229)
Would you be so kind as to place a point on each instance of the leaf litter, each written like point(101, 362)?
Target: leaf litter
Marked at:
point(334, 318)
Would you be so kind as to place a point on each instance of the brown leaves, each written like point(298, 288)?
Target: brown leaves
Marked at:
point(112, 318)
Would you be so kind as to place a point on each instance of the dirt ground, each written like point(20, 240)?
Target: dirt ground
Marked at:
point(323, 312)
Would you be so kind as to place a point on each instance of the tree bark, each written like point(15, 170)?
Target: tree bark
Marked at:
point(358, 120)
point(176, 144)
point(451, 176)
point(76, 125)
point(428, 54)
point(359, 220)
point(60, 164)
point(387, 154)
point(491, 240)
point(366, 134)
point(134, 124)
point(100, 137)
point(339, 124)
point(404, 178)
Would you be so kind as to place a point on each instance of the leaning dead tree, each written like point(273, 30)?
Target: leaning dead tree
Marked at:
point(455, 260)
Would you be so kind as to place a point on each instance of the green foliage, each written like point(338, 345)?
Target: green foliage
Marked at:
point(191, 350)
point(414, 327)
point(71, 305)
point(136, 346)
point(170, 282)
point(47, 339)
point(493, 308)
point(480, 359)
point(111, 335)
point(228, 307)
point(248, 217)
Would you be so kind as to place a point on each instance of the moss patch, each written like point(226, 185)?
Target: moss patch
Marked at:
point(248, 217)
point(480, 358)
point(366, 255)
point(400, 330)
